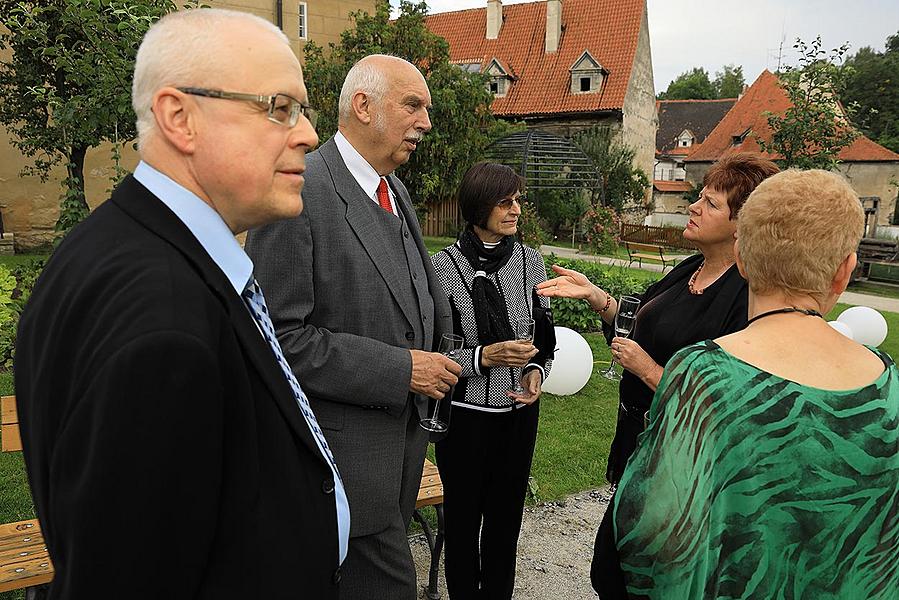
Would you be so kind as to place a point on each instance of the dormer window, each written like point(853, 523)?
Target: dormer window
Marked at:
point(739, 139)
point(500, 81)
point(587, 75)
point(685, 139)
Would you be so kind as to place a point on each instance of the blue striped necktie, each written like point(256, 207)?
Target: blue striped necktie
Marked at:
point(256, 303)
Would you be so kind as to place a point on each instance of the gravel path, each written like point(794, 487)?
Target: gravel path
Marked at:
point(554, 549)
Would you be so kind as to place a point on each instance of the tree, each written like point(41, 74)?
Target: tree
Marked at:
point(693, 84)
point(623, 185)
point(66, 87)
point(813, 131)
point(872, 85)
point(558, 207)
point(729, 82)
point(463, 125)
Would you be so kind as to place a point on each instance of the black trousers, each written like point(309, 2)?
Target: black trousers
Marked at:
point(484, 464)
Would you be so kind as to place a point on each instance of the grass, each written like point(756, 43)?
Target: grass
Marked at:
point(884, 290)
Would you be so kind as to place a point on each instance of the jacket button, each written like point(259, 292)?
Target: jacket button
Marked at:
point(406, 234)
point(336, 577)
point(328, 486)
point(410, 336)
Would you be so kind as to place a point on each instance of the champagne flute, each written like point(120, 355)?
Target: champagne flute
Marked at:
point(524, 332)
point(450, 346)
point(624, 324)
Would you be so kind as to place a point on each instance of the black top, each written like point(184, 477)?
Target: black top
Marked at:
point(671, 318)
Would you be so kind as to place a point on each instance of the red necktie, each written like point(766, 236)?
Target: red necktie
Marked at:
point(384, 197)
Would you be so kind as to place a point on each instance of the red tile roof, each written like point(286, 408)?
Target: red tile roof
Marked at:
point(608, 29)
point(748, 114)
point(672, 186)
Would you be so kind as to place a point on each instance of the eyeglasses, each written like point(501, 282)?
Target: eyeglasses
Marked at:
point(282, 109)
point(506, 203)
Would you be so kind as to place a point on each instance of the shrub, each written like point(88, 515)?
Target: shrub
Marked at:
point(529, 227)
point(15, 289)
point(601, 229)
point(577, 314)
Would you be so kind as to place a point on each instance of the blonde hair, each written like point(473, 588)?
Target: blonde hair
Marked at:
point(795, 229)
point(180, 50)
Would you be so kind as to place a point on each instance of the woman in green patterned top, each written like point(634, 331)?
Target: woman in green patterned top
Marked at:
point(770, 468)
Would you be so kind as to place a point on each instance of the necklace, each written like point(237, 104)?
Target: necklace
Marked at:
point(692, 282)
point(787, 309)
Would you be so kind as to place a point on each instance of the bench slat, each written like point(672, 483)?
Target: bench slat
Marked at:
point(12, 442)
point(8, 410)
point(431, 490)
point(24, 560)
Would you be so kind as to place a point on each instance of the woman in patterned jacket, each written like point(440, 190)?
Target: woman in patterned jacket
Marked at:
point(485, 459)
point(770, 467)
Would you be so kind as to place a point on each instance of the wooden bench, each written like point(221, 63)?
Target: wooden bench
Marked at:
point(637, 252)
point(25, 562)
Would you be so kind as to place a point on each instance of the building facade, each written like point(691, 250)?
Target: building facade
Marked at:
point(562, 65)
point(30, 207)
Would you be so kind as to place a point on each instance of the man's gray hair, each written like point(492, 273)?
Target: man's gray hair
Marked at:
point(365, 76)
point(180, 50)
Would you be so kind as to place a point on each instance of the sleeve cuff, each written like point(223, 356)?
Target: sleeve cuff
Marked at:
point(531, 366)
point(476, 360)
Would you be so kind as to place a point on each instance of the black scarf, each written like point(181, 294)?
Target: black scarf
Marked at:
point(490, 312)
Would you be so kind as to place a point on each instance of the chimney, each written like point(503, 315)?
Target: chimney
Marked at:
point(553, 25)
point(494, 18)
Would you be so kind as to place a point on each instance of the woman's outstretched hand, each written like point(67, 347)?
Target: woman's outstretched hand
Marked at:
point(572, 284)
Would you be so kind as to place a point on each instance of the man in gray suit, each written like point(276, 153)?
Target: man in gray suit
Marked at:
point(358, 310)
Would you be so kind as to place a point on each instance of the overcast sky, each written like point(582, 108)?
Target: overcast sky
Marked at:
point(712, 33)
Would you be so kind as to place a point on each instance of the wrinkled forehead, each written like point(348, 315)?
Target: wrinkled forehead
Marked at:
point(251, 59)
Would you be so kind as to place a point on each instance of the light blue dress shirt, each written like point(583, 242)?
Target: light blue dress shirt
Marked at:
point(213, 234)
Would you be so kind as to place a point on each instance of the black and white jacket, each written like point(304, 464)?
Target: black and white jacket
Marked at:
point(479, 387)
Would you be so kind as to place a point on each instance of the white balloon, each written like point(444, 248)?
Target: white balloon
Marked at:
point(868, 326)
point(842, 328)
point(572, 365)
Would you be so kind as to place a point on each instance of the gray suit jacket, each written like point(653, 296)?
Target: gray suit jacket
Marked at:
point(333, 283)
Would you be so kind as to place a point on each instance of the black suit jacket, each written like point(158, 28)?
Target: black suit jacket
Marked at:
point(165, 451)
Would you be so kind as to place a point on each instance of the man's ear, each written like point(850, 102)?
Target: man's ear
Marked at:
point(175, 118)
point(362, 107)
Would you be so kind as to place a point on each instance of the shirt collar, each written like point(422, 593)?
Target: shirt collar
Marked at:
point(203, 222)
point(364, 174)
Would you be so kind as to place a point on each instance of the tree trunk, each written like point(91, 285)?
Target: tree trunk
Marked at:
point(76, 174)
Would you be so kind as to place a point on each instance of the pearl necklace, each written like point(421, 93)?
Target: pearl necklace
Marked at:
point(691, 285)
point(692, 282)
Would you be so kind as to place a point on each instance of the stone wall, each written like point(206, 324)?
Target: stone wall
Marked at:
point(640, 120)
point(30, 207)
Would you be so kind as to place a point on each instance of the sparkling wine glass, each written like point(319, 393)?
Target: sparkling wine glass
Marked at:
point(624, 323)
point(450, 346)
point(524, 332)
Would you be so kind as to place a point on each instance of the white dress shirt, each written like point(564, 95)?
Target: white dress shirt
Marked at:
point(364, 174)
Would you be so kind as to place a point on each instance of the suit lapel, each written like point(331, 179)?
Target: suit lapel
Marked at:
point(144, 207)
point(359, 217)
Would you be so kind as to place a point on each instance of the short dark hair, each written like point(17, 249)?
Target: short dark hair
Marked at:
point(483, 185)
point(737, 175)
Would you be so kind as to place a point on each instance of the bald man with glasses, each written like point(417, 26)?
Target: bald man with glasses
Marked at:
point(170, 451)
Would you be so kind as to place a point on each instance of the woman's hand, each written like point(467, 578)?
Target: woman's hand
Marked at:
point(514, 353)
point(572, 284)
point(635, 359)
point(531, 382)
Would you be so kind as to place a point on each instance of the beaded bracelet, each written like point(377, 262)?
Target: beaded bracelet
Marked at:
point(608, 304)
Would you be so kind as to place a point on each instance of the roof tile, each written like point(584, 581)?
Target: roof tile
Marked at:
point(748, 114)
point(608, 29)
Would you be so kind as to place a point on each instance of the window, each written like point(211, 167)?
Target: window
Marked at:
point(494, 87)
point(302, 21)
point(585, 84)
point(684, 143)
